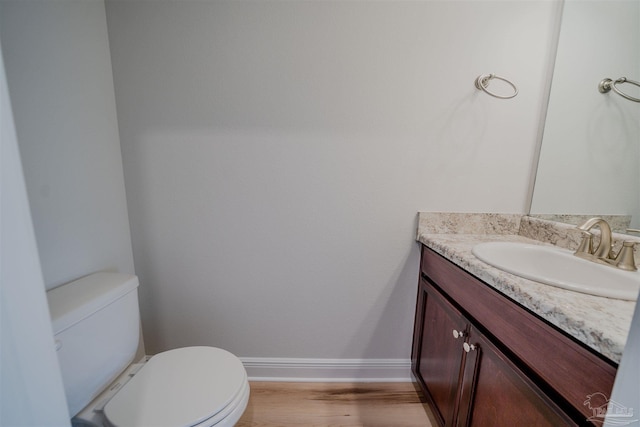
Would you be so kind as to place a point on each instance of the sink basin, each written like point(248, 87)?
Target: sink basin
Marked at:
point(559, 267)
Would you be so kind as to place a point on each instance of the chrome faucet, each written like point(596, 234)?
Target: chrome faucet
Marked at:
point(603, 253)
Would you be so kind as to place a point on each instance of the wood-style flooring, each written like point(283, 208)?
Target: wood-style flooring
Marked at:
point(285, 404)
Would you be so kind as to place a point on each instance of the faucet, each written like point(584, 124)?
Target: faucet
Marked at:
point(603, 251)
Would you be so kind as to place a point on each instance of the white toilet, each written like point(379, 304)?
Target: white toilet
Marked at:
point(96, 326)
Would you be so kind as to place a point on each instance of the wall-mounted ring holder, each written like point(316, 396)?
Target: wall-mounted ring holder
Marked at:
point(607, 84)
point(482, 82)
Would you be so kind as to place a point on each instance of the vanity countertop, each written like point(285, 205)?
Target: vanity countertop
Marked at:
point(600, 323)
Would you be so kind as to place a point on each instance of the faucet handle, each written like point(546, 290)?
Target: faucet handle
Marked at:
point(586, 244)
point(625, 259)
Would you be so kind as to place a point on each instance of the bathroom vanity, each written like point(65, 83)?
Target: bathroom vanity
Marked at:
point(493, 349)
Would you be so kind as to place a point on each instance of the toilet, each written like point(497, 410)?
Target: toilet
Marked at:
point(96, 326)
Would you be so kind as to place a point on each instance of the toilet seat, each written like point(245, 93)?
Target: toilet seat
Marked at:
point(185, 387)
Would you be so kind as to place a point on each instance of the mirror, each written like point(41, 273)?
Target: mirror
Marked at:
point(590, 152)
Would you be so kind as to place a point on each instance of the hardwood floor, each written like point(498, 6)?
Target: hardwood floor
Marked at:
point(335, 404)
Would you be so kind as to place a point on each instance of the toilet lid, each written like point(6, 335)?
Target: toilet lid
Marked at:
point(178, 388)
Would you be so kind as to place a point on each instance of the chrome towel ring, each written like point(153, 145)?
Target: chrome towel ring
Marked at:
point(483, 81)
point(607, 84)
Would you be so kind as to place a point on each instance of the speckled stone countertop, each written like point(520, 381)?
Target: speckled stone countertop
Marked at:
point(600, 323)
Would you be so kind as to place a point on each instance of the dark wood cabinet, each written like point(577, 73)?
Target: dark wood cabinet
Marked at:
point(494, 392)
point(476, 371)
point(440, 354)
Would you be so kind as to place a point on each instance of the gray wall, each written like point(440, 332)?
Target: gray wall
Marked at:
point(276, 153)
point(626, 390)
point(31, 391)
point(59, 72)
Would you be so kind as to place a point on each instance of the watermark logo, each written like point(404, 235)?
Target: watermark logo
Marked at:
point(601, 406)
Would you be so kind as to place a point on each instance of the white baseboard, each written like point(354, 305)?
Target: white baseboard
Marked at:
point(327, 370)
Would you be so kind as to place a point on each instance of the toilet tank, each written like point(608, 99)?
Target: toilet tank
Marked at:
point(96, 326)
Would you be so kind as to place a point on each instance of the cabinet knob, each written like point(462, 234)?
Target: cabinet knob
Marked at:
point(458, 334)
point(468, 347)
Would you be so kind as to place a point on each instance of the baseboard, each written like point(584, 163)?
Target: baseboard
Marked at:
point(327, 370)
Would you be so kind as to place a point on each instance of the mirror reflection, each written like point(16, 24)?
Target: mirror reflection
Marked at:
point(590, 154)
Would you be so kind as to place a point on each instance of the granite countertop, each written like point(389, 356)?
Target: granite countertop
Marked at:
point(600, 323)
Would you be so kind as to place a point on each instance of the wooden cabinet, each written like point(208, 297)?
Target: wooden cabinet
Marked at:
point(483, 360)
point(440, 354)
point(494, 392)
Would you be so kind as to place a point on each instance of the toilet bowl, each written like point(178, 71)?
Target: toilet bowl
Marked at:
point(190, 386)
point(95, 321)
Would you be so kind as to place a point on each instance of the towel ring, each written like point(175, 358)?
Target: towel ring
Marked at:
point(483, 81)
point(607, 84)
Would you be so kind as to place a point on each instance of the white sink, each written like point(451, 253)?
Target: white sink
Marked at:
point(559, 267)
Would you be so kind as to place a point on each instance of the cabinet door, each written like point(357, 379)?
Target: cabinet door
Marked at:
point(494, 392)
point(440, 356)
